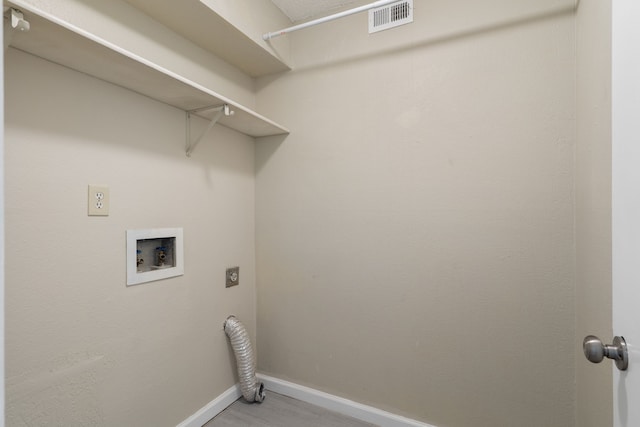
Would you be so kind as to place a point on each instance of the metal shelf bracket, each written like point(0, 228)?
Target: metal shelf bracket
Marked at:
point(223, 110)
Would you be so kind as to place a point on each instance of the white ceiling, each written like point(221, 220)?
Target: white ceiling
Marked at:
point(297, 10)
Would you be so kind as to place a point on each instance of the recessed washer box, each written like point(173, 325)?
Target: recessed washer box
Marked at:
point(154, 254)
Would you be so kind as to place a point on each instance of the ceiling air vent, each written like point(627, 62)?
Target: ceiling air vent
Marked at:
point(389, 16)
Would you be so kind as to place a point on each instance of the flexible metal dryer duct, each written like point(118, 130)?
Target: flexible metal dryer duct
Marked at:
point(252, 390)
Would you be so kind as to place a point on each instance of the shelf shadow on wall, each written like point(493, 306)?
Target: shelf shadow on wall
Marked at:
point(265, 148)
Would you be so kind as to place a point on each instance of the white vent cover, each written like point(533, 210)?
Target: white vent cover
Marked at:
point(391, 15)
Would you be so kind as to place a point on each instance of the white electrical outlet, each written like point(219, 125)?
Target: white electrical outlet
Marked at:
point(98, 200)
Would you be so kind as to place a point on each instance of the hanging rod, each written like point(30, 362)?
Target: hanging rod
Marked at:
point(220, 111)
point(380, 3)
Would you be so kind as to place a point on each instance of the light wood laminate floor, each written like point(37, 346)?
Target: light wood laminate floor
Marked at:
point(281, 411)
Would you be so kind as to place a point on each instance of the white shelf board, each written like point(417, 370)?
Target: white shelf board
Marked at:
point(197, 22)
point(69, 46)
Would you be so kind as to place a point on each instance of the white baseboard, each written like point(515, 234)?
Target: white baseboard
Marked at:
point(337, 404)
point(213, 408)
point(315, 397)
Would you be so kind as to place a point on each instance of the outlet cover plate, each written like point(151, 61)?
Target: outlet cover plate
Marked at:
point(233, 277)
point(98, 200)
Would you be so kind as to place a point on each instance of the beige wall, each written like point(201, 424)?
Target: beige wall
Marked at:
point(415, 231)
point(594, 383)
point(81, 347)
point(414, 242)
